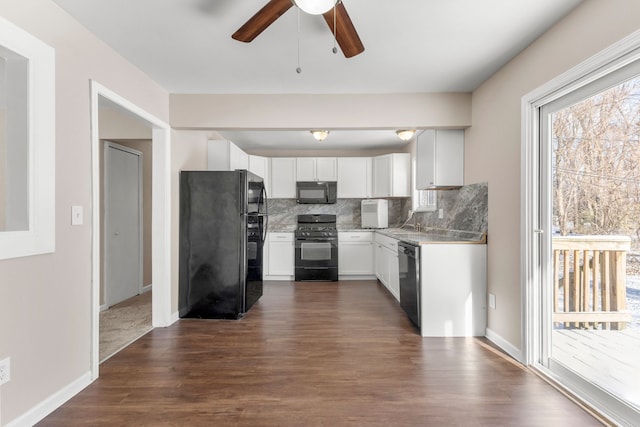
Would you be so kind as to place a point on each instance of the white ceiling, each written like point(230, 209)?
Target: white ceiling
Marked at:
point(410, 46)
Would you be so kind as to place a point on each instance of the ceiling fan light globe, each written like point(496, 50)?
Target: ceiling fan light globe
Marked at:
point(315, 7)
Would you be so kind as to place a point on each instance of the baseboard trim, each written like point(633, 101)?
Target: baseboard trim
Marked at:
point(278, 278)
point(175, 316)
point(53, 402)
point(104, 307)
point(357, 277)
point(146, 288)
point(505, 345)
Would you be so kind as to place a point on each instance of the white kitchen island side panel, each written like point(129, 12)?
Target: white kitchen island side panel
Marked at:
point(453, 292)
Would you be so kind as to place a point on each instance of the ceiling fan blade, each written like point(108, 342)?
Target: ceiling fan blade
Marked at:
point(261, 20)
point(346, 34)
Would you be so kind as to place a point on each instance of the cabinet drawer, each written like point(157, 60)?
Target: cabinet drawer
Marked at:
point(355, 236)
point(280, 237)
point(388, 242)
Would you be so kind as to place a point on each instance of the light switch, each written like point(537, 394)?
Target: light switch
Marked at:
point(77, 215)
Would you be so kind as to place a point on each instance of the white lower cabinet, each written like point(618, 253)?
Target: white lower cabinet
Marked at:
point(279, 256)
point(453, 290)
point(355, 253)
point(386, 256)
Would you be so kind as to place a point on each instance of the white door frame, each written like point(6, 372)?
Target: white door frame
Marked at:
point(105, 274)
point(535, 231)
point(161, 222)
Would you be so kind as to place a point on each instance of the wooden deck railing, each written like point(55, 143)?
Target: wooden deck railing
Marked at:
point(589, 276)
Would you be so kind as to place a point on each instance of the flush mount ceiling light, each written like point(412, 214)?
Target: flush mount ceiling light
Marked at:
point(315, 7)
point(405, 134)
point(319, 135)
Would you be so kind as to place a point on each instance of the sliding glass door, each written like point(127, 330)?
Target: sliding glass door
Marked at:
point(589, 241)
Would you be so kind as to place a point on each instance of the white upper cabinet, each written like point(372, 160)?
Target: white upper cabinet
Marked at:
point(354, 177)
point(440, 159)
point(260, 166)
point(224, 155)
point(391, 175)
point(305, 169)
point(283, 178)
point(317, 169)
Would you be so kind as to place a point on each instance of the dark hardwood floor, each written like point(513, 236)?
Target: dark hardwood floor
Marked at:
point(314, 354)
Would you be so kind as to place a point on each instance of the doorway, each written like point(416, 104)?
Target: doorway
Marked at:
point(123, 223)
point(161, 207)
point(126, 234)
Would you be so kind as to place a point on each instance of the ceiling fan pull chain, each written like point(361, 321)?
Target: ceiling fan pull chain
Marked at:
point(335, 29)
point(298, 70)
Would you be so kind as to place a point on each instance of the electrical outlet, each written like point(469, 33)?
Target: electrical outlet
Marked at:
point(440, 213)
point(5, 370)
point(492, 301)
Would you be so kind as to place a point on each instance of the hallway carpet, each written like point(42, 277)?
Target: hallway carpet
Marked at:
point(124, 323)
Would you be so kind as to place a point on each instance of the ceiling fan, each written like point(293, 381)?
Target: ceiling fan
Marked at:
point(344, 31)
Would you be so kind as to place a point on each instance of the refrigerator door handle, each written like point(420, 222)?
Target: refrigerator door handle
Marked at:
point(264, 231)
point(263, 198)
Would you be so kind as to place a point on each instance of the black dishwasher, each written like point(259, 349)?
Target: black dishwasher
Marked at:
point(409, 267)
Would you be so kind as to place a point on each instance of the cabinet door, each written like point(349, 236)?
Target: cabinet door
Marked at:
point(326, 169)
point(400, 175)
point(382, 267)
point(260, 166)
point(355, 253)
point(440, 159)
point(394, 273)
point(238, 159)
point(355, 258)
point(354, 177)
point(281, 254)
point(306, 169)
point(382, 176)
point(283, 177)
point(426, 159)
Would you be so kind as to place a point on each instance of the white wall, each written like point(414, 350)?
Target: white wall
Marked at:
point(493, 141)
point(188, 152)
point(45, 300)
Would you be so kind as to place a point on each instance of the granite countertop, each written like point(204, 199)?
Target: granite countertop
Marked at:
point(434, 235)
point(282, 228)
point(427, 236)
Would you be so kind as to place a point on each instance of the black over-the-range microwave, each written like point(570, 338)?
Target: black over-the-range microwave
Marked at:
point(316, 192)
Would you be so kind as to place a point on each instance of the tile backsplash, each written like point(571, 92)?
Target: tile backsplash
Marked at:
point(283, 212)
point(463, 209)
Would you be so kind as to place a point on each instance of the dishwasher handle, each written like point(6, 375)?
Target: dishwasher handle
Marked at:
point(408, 250)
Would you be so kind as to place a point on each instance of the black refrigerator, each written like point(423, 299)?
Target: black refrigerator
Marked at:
point(223, 225)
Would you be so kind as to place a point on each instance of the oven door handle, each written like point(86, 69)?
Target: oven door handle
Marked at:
point(316, 239)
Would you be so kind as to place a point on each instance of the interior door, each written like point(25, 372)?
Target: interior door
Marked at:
point(123, 223)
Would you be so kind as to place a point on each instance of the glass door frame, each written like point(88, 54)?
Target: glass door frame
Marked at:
point(606, 69)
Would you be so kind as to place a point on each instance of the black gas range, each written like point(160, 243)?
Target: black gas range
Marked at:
point(316, 248)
